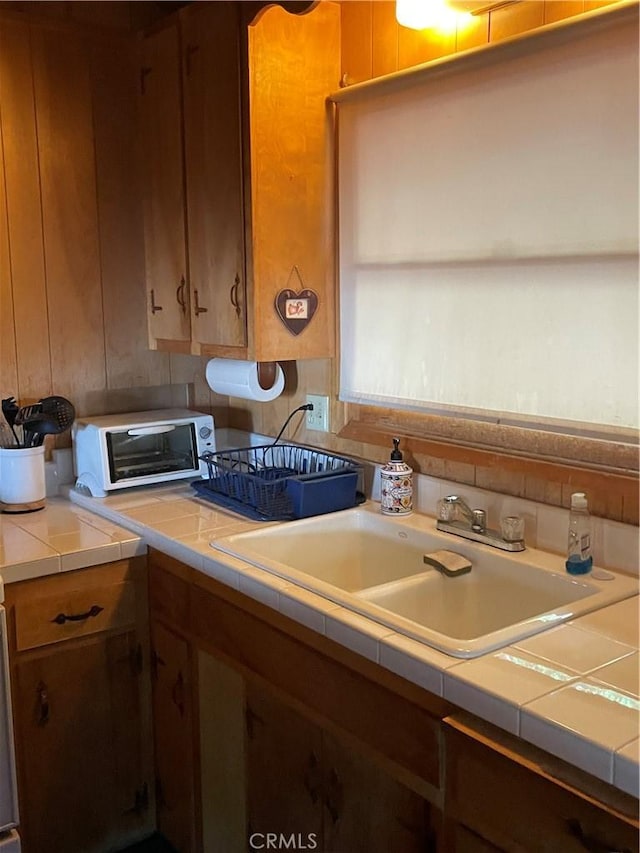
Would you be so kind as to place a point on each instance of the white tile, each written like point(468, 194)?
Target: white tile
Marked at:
point(489, 707)
point(30, 569)
point(52, 520)
point(199, 522)
point(18, 546)
point(552, 529)
point(626, 774)
point(567, 745)
point(89, 557)
point(163, 511)
point(357, 633)
point(623, 674)
point(570, 646)
point(415, 661)
point(620, 621)
point(306, 607)
point(621, 546)
point(175, 548)
point(262, 586)
point(497, 685)
point(583, 723)
point(426, 493)
point(132, 547)
point(220, 571)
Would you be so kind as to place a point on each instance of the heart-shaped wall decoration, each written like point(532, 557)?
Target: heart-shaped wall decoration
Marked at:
point(296, 309)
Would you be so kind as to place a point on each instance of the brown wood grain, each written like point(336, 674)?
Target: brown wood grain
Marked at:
point(82, 715)
point(129, 362)
point(291, 175)
point(24, 212)
point(213, 164)
point(8, 372)
point(69, 213)
point(161, 154)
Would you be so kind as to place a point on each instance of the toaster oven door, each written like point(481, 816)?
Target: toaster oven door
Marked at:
point(148, 452)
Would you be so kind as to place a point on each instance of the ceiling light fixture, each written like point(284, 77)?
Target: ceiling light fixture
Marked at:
point(431, 14)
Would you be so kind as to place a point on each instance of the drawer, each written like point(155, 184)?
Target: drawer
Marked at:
point(73, 613)
point(516, 805)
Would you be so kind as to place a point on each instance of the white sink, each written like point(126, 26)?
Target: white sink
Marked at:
point(373, 565)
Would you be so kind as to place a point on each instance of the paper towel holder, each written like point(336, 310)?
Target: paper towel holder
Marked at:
point(267, 371)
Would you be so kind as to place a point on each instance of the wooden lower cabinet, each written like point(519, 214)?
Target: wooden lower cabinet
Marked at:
point(247, 765)
point(289, 739)
point(174, 737)
point(306, 784)
point(78, 652)
point(506, 795)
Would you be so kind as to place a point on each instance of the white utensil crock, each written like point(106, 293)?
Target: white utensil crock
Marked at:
point(22, 486)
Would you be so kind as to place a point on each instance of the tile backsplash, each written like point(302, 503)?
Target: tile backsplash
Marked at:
point(615, 545)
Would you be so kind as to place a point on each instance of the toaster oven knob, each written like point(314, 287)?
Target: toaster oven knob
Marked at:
point(205, 432)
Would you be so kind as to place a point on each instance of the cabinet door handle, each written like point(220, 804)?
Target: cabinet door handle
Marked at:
point(334, 796)
point(43, 703)
point(177, 694)
point(154, 307)
point(233, 295)
point(312, 777)
point(180, 295)
point(156, 661)
point(593, 845)
point(198, 309)
point(144, 73)
point(61, 618)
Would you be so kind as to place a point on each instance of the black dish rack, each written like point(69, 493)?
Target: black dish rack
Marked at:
point(280, 482)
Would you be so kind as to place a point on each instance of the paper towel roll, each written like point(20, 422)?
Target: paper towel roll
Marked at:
point(240, 379)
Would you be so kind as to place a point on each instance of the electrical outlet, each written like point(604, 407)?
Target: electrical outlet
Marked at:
point(318, 419)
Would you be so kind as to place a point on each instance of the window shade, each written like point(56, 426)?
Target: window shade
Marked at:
point(489, 235)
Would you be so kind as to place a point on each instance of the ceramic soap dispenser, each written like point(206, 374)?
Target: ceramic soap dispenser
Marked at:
point(396, 484)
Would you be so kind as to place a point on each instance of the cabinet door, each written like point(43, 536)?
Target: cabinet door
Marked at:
point(164, 202)
point(77, 713)
point(284, 772)
point(222, 752)
point(366, 810)
point(213, 162)
point(174, 738)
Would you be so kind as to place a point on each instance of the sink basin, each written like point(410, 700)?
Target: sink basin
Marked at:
point(373, 565)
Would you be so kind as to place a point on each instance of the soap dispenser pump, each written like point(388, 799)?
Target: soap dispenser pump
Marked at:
point(396, 484)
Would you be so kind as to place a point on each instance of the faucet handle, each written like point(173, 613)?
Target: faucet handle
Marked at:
point(478, 520)
point(446, 508)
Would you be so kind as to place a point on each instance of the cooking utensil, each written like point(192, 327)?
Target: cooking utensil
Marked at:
point(27, 413)
point(10, 410)
point(59, 410)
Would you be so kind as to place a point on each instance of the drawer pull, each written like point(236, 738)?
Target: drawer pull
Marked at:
point(588, 842)
point(61, 618)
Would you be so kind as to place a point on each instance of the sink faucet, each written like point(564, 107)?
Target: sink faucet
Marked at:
point(473, 526)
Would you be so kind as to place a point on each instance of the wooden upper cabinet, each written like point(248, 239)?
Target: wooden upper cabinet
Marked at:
point(238, 206)
point(293, 65)
point(213, 164)
point(164, 198)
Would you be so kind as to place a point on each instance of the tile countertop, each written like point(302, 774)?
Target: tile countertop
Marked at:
point(573, 691)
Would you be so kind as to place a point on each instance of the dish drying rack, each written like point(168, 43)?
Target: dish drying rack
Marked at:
point(280, 482)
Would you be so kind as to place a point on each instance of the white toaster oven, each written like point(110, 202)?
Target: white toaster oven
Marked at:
point(140, 448)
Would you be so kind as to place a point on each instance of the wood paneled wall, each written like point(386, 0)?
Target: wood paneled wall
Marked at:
point(72, 290)
point(373, 44)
